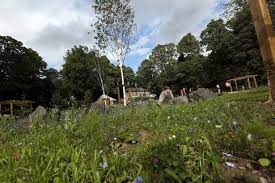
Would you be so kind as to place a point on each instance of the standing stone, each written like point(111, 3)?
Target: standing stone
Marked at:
point(181, 100)
point(38, 115)
point(166, 96)
point(202, 94)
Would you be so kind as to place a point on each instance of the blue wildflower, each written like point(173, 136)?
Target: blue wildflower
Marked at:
point(139, 179)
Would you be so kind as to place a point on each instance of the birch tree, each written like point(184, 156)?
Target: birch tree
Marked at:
point(114, 31)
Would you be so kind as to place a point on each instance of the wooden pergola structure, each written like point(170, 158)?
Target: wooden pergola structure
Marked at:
point(246, 78)
point(263, 14)
point(10, 105)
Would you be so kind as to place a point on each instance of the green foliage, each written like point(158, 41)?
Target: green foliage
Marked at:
point(189, 45)
point(114, 28)
point(22, 70)
point(162, 144)
point(159, 70)
point(79, 72)
point(264, 162)
point(232, 47)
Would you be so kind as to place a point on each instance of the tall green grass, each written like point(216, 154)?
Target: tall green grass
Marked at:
point(181, 143)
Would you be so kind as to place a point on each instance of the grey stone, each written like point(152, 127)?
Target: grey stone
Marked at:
point(202, 94)
point(181, 100)
point(54, 114)
point(38, 115)
point(97, 107)
point(166, 97)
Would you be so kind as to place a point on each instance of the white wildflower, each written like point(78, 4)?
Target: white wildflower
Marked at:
point(115, 138)
point(104, 165)
point(195, 118)
point(174, 136)
point(169, 117)
point(227, 154)
point(249, 137)
point(101, 151)
point(231, 165)
point(218, 126)
point(19, 144)
point(208, 121)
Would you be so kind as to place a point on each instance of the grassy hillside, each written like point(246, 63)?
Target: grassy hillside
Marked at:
point(212, 141)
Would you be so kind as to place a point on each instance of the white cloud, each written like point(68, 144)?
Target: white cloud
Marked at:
point(140, 51)
point(51, 27)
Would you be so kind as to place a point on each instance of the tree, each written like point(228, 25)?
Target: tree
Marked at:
point(217, 40)
point(160, 69)
point(162, 56)
point(114, 30)
point(188, 46)
point(244, 50)
point(80, 72)
point(21, 71)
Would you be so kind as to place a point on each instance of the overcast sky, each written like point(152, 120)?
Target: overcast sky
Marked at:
point(51, 27)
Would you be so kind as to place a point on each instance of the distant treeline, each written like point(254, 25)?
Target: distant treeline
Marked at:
point(25, 76)
point(227, 49)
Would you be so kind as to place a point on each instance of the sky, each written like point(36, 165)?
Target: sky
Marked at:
point(51, 27)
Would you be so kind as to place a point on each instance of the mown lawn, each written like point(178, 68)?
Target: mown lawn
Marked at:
point(219, 140)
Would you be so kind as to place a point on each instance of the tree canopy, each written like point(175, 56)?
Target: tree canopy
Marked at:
point(22, 71)
point(227, 49)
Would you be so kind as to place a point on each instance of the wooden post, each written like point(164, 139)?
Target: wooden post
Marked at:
point(248, 82)
point(255, 82)
point(11, 108)
point(266, 38)
point(236, 85)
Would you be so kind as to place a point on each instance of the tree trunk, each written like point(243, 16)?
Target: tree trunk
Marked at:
point(265, 33)
point(123, 85)
point(101, 82)
point(100, 77)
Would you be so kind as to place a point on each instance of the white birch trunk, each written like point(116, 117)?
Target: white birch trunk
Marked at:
point(123, 85)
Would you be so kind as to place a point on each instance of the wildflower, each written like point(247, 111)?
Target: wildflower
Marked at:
point(174, 136)
point(169, 117)
point(231, 165)
point(191, 130)
point(249, 137)
point(104, 165)
point(195, 118)
point(115, 138)
point(134, 142)
point(170, 138)
point(208, 121)
point(227, 154)
point(218, 126)
point(101, 151)
point(139, 179)
point(235, 122)
point(19, 144)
